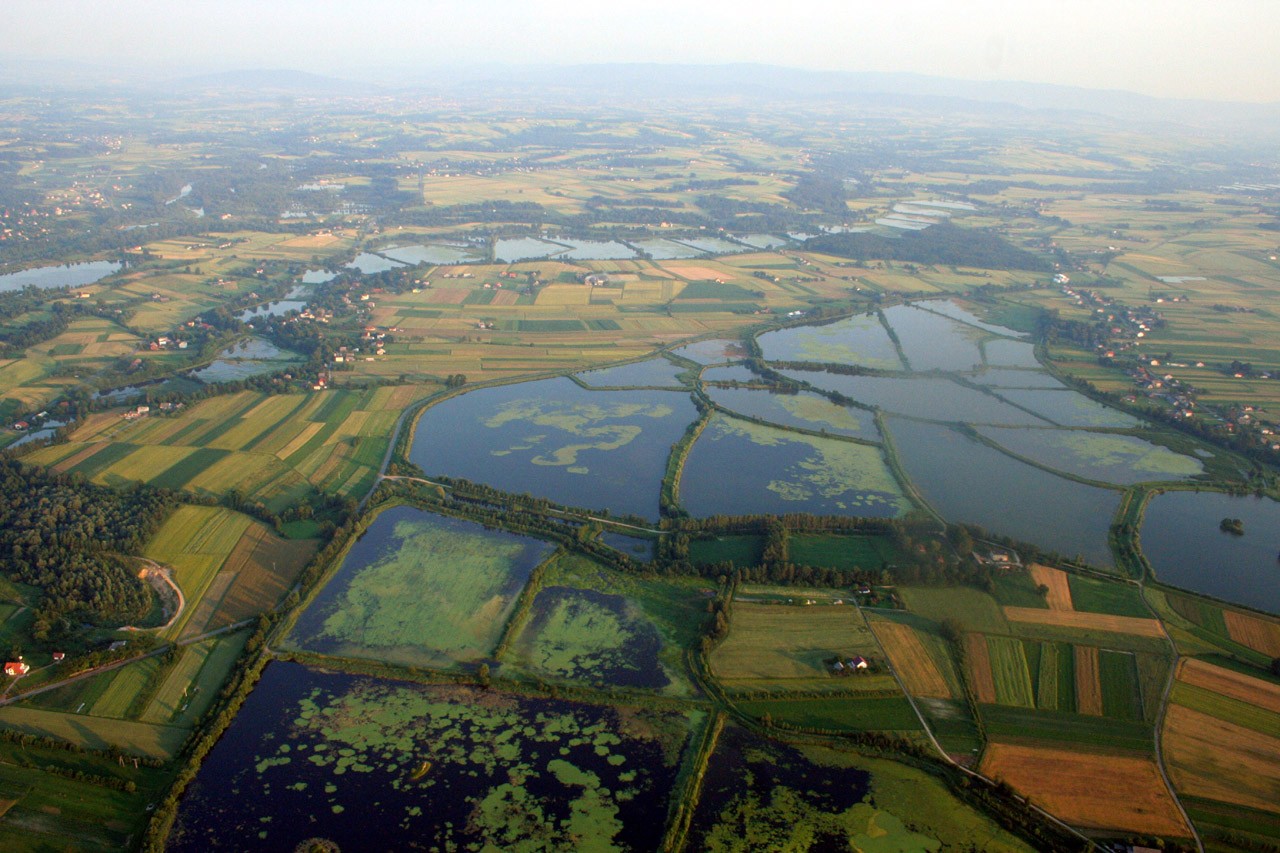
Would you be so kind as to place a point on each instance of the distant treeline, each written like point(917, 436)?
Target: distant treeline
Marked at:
point(939, 244)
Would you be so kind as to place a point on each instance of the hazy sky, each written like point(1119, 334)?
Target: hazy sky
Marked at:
point(1220, 49)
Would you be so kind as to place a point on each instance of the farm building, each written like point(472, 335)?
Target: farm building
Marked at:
point(16, 668)
point(858, 662)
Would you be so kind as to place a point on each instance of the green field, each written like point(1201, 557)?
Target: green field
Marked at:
point(1118, 673)
point(95, 732)
point(1097, 596)
point(1009, 670)
point(974, 609)
point(740, 550)
point(847, 553)
point(1046, 728)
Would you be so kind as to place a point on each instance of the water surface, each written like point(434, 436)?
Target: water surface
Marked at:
point(69, 275)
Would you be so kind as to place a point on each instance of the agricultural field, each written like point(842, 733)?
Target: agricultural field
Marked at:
point(921, 660)
point(1100, 791)
point(1222, 745)
point(230, 567)
point(781, 647)
point(420, 589)
point(280, 450)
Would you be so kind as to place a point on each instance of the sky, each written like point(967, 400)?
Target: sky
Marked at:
point(1213, 49)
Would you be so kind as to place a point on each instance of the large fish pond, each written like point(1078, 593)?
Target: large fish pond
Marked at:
point(1183, 540)
point(322, 755)
point(554, 439)
point(981, 430)
point(420, 589)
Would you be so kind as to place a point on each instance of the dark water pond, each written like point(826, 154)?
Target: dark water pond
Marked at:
point(654, 373)
point(555, 439)
point(755, 791)
point(1182, 540)
point(740, 468)
point(372, 764)
point(635, 547)
point(966, 481)
point(70, 275)
point(804, 409)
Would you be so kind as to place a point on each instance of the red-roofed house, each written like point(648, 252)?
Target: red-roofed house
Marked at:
point(16, 668)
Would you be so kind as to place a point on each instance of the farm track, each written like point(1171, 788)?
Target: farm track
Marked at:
point(114, 665)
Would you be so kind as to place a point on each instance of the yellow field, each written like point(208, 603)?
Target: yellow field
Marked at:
point(978, 660)
point(1209, 757)
point(1098, 791)
point(1085, 621)
point(1252, 631)
point(1059, 596)
point(911, 660)
point(1237, 685)
point(1088, 684)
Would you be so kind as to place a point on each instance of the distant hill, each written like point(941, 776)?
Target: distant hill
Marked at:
point(274, 81)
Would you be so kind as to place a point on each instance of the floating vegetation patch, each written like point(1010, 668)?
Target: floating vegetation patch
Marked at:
point(591, 637)
point(443, 768)
point(804, 409)
point(1120, 459)
point(857, 340)
point(420, 589)
point(741, 468)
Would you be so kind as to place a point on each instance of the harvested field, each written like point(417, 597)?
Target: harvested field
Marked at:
point(1254, 632)
point(694, 272)
point(1088, 683)
point(1059, 595)
point(979, 663)
point(447, 296)
point(1085, 621)
point(911, 660)
point(1237, 685)
point(1213, 758)
point(1099, 791)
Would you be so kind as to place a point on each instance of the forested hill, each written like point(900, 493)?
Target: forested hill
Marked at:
point(938, 244)
point(66, 538)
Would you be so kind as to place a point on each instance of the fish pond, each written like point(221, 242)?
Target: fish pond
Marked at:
point(951, 309)
point(1119, 459)
point(861, 339)
point(293, 301)
point(70, 275)
point(933, 342)
point(590, 637)
point(932, 398)
point(967, 481)
point(737, 467)
point(1068, 408)
point(730, 373)
point(1183, 540)
point(318, 755)
point(635, 547)
point(368, 263)
point(436, 253)
point(554, 439)
point(1007, 353)
point(251, 357)
point(420, 589)
point(654, 373)
point(713, 351)
point(1008, 377)
point(665, 250)
point(803, 409)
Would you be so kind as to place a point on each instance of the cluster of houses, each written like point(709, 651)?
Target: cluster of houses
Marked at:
point(15, 668)
point(849, 665)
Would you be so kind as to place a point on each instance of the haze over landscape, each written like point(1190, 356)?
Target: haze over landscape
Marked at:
point(640, 427)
